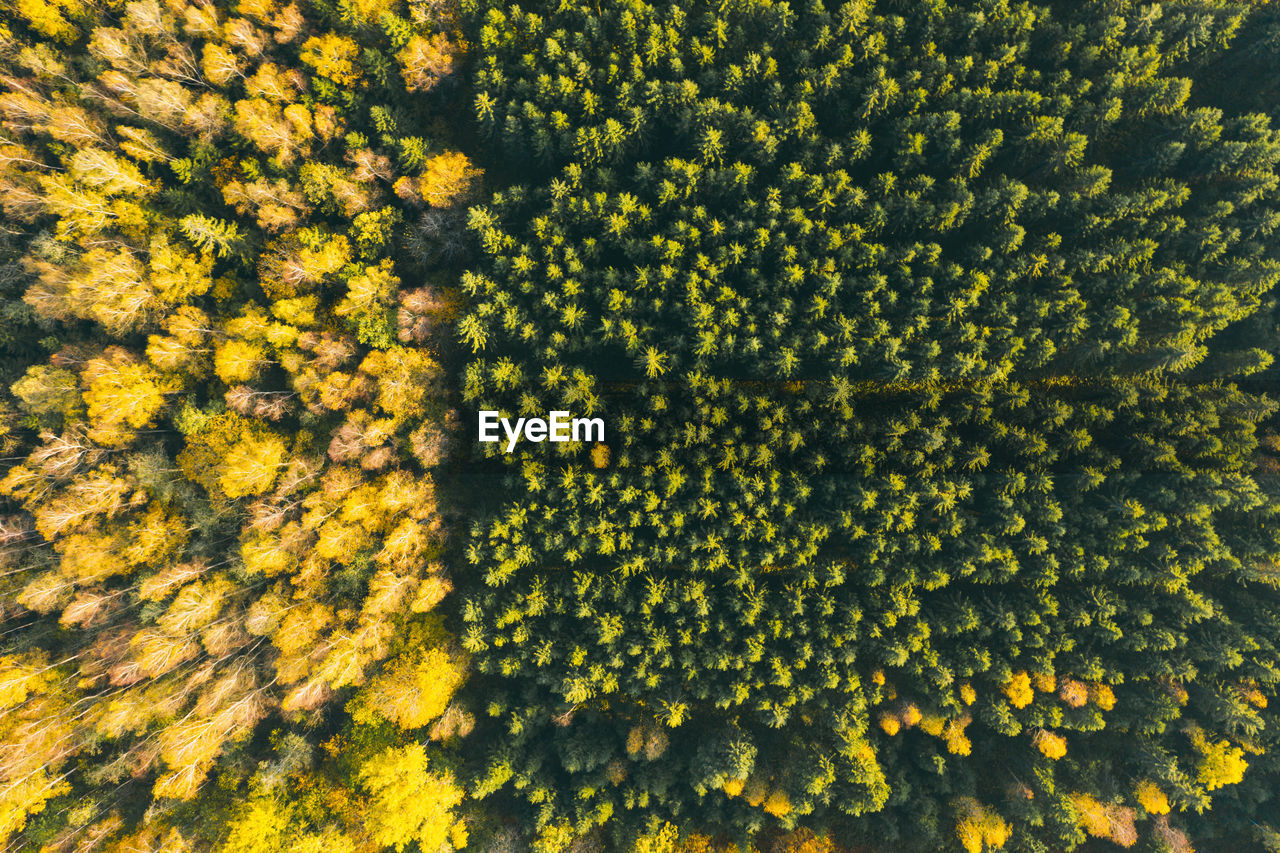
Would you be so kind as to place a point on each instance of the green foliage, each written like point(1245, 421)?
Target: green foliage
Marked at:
point(939, 503)
point(215, 235)
point(937, 507)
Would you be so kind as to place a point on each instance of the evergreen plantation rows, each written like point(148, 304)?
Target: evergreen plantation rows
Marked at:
point(939, 506)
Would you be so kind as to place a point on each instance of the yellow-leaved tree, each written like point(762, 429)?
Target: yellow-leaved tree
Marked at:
point(410, 802)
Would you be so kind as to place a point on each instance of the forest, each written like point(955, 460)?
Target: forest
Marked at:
point(936, 500)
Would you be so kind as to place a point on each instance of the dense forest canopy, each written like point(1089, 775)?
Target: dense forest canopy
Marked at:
point(935, 499)
point(225, 405)
point(939, 503)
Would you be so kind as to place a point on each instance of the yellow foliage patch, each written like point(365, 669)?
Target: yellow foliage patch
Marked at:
point(1018, 690)
point(1151, 798)
point(777, 804)
point(333, 56)
point(447, 179)
point(600, 455)
point(1052, 745)
point(1044, 682)
point(1222, 764)
point(1103, 696)
point(979, 827)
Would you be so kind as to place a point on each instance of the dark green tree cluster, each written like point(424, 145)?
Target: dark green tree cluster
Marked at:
point(945, 195)
point(938, 503)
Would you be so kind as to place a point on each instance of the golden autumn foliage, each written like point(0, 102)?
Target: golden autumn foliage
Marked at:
point(660, 838)
point(777, 803)
point(53, 18)
point(1074, 693)
point(425, 60)
point(262, 826)
point(448, 179)
point(1018, 690)
point(953, 734)
point(600, 455)
point(1105, 820)
point(932, 724)
point(1151, 798)
point(233, 456)
point(410, 802)
point(803, 840)
point(1255, 697)
point(214, 500)
point(979, 827)
point(1103, 696)
point(1050, 745)
point(415, 687)
point(35, 726)
point(332, 56)
point(1220, 763)
point(122, 395)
